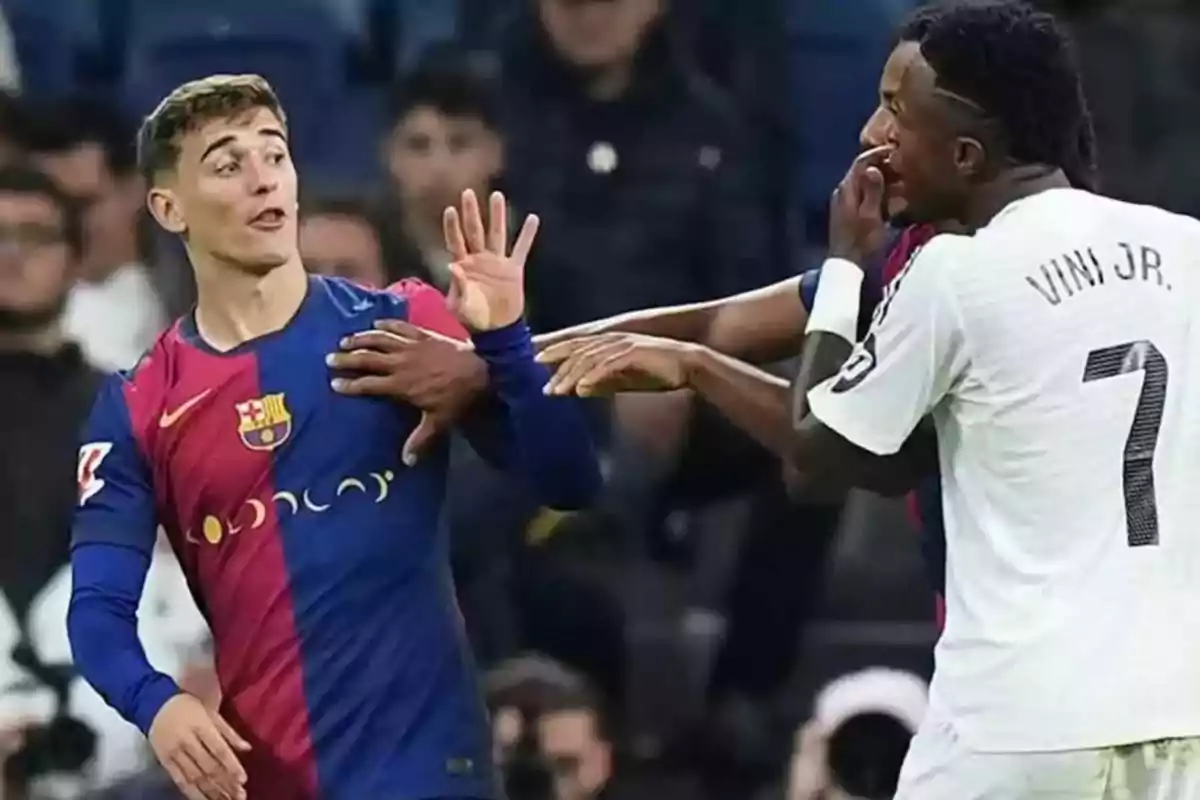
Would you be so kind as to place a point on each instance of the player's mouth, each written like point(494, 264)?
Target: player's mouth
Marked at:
point(269, 219)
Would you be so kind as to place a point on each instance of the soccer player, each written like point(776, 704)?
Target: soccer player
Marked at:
point(1054, 348)
point(310, 546)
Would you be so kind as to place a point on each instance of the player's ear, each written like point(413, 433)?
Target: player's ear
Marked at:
point(166, 209)
point(970, 157)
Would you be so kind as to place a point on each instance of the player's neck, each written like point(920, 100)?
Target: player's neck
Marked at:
point(234, 306)
point(1008, 187)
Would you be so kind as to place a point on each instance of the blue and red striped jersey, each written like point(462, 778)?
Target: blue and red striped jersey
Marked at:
point(313, 551)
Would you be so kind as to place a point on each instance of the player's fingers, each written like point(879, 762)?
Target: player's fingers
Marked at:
point(497, 224)
point(525, 238)
point(870, 198)
point(235, 739)
point(193, 772)
point(452, 230)
point(361, 361)
point(366, 386)
point(426, 431)
point(225, 771)
point(603, 378)
point(473, 223)
point(582, 362)
point(569, 358)
point(189, 790)
point(559, 351)
point(402, 329)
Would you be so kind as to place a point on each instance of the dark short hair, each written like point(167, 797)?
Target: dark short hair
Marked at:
point(338, 204)
point(1018, 65)
point(190, 106)
point(58, 126)
point(452, 89)
point(537, 686)
point(27, 181)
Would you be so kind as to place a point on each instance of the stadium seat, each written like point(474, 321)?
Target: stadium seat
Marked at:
point(54, 39)
point(288, 43)
point(836, 51)
point(421, 25)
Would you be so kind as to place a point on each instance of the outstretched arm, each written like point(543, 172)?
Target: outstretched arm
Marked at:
point(761, 326)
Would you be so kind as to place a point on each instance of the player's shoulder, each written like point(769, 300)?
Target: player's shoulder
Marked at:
point(349, 299)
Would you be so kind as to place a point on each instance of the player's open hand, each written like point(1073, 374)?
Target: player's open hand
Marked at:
point(441, 376)
point(593, 366)
point(198, 750)
point(487, 286)
point(857, 228)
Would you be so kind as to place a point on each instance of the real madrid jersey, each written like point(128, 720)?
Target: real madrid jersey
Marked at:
point(1058, 350)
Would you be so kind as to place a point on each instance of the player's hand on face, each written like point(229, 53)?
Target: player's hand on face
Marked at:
point(198, 749)
point(402, 362)
point(487, 287)
point(857, 227)
point(593, 366)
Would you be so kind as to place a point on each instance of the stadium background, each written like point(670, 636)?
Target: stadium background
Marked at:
point(703, 606)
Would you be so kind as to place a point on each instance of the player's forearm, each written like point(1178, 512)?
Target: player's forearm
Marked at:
point(821, 459)
point(753, 400)
point(545, 439)
point(106, 587)
point(762, 325)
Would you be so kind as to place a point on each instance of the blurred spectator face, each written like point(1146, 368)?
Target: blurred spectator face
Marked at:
point(233, 192)
point(110, 205)
point(434, 156)
point(597, 33)
point(36, 269)
point(580, 758)
point(342, 246)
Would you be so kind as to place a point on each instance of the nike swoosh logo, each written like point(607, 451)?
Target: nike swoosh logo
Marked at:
point(169, 418)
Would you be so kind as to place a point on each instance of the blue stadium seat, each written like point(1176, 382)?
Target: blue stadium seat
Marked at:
point(836, 52)
point(289, 43)
point(52, 38)
point(420, 26)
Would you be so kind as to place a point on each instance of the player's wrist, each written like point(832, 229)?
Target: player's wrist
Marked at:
point(503, 340)
point(835, 308)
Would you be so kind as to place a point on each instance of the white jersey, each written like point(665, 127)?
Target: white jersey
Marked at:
point(1058, 352)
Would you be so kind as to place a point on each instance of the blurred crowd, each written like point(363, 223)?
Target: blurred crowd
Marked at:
point(696, 634)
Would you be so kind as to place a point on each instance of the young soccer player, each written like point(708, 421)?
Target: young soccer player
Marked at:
point(312, 549)
point(1055, 349)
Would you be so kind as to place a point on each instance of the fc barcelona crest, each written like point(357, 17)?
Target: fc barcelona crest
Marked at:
point(264, 423)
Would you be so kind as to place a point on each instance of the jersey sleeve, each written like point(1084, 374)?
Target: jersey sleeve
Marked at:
point(116, 498)
point(909, 360)
point(427, 308)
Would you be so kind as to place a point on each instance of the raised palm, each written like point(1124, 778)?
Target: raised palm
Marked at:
point(487, 284)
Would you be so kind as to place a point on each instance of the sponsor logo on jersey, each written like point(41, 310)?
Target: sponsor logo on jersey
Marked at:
point(90, 457)
point(264, 423)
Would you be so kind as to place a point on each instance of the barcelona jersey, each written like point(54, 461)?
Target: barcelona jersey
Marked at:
point(312, 550)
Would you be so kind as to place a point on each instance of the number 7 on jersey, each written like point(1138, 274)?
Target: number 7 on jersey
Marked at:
point(1141, 504)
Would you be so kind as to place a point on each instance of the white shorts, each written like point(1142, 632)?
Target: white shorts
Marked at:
point(939, 766)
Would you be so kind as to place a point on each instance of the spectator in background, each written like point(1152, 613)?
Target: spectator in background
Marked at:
point(550, 732)
point(855, 742)
point(443, 140)
point(114, 311)
point(48, 389)
point(338, 237)
point(637, 165)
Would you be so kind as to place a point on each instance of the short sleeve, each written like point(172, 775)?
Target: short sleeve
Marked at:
point(116, 496)
point(427, 308)
point(910, 359)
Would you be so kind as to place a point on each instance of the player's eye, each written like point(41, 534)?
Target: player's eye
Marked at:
point(226, 168)
point(276, 159)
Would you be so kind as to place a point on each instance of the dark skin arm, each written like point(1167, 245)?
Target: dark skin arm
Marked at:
point(759, 326)
point(820, 457)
